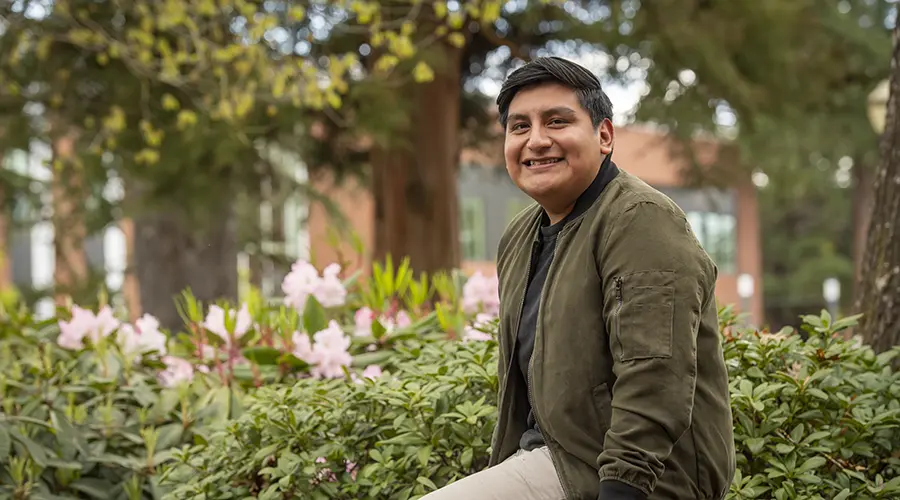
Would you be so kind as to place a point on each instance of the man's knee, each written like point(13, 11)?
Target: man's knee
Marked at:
point(525, 476)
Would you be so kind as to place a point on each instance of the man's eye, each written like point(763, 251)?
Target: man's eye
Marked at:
point(557, 121)
point(518, 126)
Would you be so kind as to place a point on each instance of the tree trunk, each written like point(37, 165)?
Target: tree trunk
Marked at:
point(173, 252)
point(131, 291)
point(70, 274)
point(415, 186)
point(879, 300)
point(5, 269)
point(862, 214)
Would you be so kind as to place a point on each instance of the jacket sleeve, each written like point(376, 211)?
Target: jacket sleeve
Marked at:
point(657, 280)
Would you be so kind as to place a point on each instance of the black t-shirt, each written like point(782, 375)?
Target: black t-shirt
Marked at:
point(532, 438)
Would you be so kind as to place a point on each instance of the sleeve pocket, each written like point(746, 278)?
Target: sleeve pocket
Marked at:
point(645, 315)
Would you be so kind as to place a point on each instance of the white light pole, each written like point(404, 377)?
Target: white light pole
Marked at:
point(831, 291)
point(877, 105)
point(745, 286)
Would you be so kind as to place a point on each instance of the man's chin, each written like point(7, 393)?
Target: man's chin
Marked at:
point(541, 192)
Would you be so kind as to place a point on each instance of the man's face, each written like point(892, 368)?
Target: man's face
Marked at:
point(552, 150)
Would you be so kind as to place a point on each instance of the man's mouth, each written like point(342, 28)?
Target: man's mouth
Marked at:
point(543, 162)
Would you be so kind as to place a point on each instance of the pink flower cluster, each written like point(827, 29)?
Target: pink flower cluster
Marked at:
point(481, 294)
point(365, 317)
point(474, 331)
point(304, 280)
point(135, 341)
point(86, 324)
point(177, 370)
point(325, 474)
point(329, 352)
point(215, 323)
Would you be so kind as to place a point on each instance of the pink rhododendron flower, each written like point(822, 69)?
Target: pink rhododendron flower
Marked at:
point(402, 319)
point(215, 322)
point(177, 370)
point(327, 353)
point(330, 291)
point(365, 317)
point(481, 294)
point(85, 324)
point(352, 469)
point(327, 475)
point(330, 352)
point(143, 337)
point(299, 284)
point(304, 280)
point(372, 372)
point(472, 331)
point(303, 347)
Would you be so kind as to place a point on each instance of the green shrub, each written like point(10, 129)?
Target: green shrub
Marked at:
point(816, 418)
point(401, 435)
point(86, 410)
point(87, 424)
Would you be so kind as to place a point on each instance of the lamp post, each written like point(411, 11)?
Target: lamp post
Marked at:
point(877, 105)
point(831, 291)
point(745, 287)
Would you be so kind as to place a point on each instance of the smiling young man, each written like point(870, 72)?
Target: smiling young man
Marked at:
point(612, 379)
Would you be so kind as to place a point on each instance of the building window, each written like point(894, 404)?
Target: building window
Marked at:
point(718, 236)
point(472, 232)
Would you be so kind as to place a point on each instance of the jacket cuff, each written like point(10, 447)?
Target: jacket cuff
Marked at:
point(610, 489)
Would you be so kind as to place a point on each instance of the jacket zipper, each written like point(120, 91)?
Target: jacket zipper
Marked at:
point(619, 301)
point(512, 350)
point(537, 417)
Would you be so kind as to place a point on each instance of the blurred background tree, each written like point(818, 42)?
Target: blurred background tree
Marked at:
point(181, 102)
point(202, 111)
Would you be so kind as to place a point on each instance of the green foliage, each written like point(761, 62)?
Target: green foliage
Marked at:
point(814, 419)
point(89, 424)
point(426, 423)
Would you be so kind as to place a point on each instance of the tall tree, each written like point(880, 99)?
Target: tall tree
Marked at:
point(769, 63)
point(414, 182)
point(879, 300)
point(181, 100)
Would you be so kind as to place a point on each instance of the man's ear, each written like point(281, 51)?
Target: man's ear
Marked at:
point(607, 135)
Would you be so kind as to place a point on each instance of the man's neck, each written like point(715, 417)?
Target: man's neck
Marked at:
point(556, 215)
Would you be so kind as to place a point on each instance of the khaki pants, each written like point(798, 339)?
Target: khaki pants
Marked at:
point(527, 475)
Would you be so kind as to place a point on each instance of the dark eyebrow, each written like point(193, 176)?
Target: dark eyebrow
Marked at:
point(559, 110)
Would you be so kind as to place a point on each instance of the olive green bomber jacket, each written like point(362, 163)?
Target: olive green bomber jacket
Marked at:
point(628, 377)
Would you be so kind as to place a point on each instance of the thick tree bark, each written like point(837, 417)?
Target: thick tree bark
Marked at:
point(879, 300)
point(70, 274)
point(862, 214)
point(173, 252)
point(5, 269)
point(131, 291)
point(414, 186)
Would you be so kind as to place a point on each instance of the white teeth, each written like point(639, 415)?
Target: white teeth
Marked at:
point(532, 163)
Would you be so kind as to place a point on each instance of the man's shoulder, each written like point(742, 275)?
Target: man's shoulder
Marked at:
point(633, 193)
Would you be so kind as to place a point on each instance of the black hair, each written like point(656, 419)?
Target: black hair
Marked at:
point(557, 70)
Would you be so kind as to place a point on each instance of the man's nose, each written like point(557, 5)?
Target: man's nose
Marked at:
point(538, 139)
